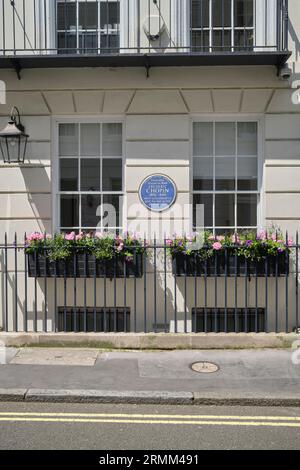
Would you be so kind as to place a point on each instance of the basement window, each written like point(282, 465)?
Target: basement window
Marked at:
point(102, 320)
point(240, 320)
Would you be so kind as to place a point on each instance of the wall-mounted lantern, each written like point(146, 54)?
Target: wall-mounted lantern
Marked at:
point(13, 140)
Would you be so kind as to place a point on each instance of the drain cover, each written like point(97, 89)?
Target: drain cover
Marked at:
point(205, 367)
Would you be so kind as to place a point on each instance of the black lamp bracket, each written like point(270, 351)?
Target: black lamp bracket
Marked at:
point(16, 119)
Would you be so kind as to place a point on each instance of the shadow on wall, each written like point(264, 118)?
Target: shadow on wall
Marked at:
point(38, 186)
point(295, 40)
point(36, 189)
point(30, 303)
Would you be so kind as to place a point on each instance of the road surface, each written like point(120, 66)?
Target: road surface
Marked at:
point(127, 427)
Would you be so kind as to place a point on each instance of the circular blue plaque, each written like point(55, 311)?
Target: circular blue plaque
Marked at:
point(158, 192)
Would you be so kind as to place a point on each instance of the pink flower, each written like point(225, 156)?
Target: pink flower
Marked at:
point(217, 246)
point(211, 237)
point(290, 242)
point(120, 247)
point(79, 236)
point(262, 235)
point(35, 236)
point(236, 239)
point(220, 238)
point(99, 235)
point(169, 242)
point(274, 237)
point(136, 236)
point(70, 236)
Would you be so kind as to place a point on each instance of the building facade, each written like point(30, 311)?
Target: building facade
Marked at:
point(112, 92)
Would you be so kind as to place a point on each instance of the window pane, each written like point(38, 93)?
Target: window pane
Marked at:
point(88, 15)
point(90, 174)
point(221, 13)
point(200, 41)
point(90, 210)
point(247, 210)
point(112, 174)
point(243, 39)
point(68, 140)
point(225, 231)
point(68, 174)
point(88, 42)
point(200, 13)
point(243, 13)
point(112, 210)
point(90, 140)
point(109, 42)
point(203, 138)
point(112, 140)
point(225, 138)
point(221, 41)
point(225, 173)
point(203, 173)
point(66, 43)
point(109, 15)
point(247, 138)
point(224, 210)
point(66, 15)
point(69, 211)
point(207, 201)
point(247, 173)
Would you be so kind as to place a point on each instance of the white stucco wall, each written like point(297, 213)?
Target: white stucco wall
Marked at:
point(157, 113)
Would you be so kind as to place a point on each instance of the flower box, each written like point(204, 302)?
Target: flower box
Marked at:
point(84, 265)
point(231, 265)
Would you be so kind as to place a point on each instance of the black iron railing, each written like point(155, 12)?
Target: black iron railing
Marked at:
point(150, 293)
point(120, 29)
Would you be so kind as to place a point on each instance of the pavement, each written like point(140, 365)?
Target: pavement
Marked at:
point(242, 377)
point(108, 427)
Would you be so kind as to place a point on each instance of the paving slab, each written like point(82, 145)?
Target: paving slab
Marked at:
point(55, 357)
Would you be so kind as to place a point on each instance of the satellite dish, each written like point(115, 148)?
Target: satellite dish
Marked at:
point(154, 26)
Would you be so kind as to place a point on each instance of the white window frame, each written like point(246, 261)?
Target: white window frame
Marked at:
point(120, 31)
point(55, 170)
point(265, 11)
point(259, 119)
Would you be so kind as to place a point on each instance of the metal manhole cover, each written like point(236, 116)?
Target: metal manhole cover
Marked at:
point(204, 367)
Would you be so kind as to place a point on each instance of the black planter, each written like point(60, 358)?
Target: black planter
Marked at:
point(229, 264)
point(84, 265)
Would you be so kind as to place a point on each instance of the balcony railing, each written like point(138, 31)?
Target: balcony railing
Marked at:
point(62, 33)
point(151, 293)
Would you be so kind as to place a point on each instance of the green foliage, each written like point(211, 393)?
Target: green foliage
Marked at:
point(247, 244)
point(103, 246)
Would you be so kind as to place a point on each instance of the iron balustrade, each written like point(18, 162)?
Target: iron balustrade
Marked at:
point(41, 33)
point(234, 296)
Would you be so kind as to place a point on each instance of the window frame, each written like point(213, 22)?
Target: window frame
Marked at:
point(259, 119)
point(232, 29)
point(55, 171)
point(264, 38)
point(98, 31)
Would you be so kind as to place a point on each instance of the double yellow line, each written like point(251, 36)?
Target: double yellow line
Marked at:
point(169, 419)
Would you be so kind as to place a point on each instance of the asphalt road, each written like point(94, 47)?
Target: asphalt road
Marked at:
point(127, 427)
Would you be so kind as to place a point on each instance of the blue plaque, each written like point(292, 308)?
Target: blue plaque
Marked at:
point(158, 193)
